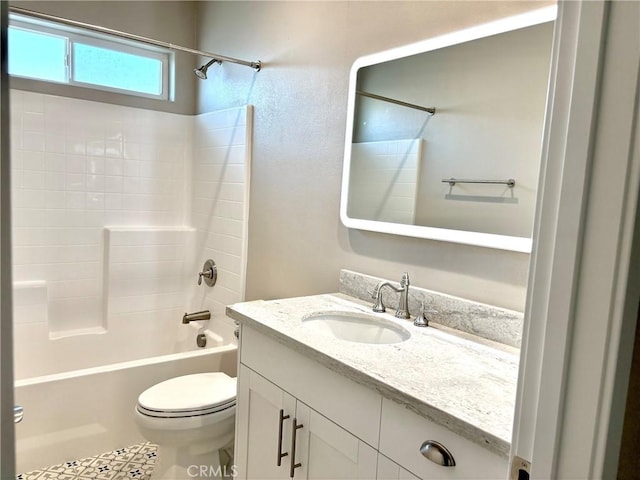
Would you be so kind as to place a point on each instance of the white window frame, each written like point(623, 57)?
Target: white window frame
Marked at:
point(99, 40)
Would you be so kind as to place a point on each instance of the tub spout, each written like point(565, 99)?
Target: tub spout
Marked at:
point(194, 317)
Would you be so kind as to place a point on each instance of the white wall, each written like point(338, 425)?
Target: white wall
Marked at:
point(296, 242)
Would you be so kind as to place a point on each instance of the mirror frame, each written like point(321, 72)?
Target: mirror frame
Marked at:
point(490, 240)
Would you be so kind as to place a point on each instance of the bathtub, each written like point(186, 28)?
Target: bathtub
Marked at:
point(80, 413)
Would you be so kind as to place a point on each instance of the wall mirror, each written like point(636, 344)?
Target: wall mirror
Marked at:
point(444, 136)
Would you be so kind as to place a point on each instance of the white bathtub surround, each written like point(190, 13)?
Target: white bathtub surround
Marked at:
point(486, 321)
point(146, 270)
point(80, 167)
point(467, 385)
point(76, 167)
point(30, 302)
point(219, 210)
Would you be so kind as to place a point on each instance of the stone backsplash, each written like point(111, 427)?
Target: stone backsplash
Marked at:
point(486, 321)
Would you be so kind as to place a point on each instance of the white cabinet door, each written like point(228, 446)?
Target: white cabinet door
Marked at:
point(326, 451)
point(260, 434)
point(323, 450)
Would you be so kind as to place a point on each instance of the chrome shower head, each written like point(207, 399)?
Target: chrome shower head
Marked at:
point(201, 72)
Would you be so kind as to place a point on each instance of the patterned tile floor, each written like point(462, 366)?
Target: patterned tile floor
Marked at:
point(135, 462)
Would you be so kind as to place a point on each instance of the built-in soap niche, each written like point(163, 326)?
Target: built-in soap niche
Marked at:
point(486, 321)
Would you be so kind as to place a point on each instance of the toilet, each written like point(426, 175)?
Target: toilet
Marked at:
point(191, 418)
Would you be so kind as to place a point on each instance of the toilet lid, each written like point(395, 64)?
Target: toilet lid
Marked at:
point(196, 394)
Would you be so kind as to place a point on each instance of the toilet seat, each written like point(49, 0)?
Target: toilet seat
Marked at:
point(189, 396)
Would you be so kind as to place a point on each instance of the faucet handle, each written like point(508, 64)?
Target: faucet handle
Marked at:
point(206, 274)
point(209, 272)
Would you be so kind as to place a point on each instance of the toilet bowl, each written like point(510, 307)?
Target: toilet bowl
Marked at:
point(191, 418)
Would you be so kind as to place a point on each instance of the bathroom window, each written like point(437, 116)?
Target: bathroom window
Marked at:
point(50, 52)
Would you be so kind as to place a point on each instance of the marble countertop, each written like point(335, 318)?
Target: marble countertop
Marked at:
point(463, 382)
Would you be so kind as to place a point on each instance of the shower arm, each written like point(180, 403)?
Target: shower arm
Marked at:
point(257, 65)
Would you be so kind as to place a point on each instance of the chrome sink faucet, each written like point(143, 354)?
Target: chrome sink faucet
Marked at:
point(403, 304)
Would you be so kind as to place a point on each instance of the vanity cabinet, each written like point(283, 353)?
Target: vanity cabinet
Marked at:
point(348, 430)
point(275, 429)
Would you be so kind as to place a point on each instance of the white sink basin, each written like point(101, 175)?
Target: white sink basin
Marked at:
point(356, 327)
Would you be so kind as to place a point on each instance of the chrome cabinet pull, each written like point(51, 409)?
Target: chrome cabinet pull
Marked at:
point(437, 453)
point(294, 465)
point(283, 417)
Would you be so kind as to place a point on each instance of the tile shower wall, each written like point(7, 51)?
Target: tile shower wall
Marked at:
point(81, 167)
point(219, 208)
point(146, 272)
point(78, 166)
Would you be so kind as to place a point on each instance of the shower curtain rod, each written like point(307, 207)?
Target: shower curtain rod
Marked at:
point(257, 65)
